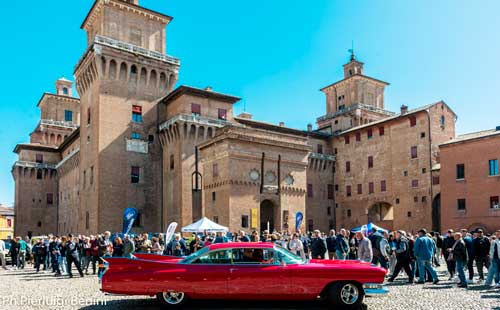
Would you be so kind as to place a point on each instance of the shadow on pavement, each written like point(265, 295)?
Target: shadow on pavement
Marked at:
point(215, 304)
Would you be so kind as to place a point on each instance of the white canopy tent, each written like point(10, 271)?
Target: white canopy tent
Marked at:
point(204, 225)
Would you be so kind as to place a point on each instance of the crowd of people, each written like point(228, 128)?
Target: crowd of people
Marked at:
point(417, 255)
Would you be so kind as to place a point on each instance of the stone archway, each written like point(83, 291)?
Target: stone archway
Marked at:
point(267, 215)
point(436, 213)
point(381, 214)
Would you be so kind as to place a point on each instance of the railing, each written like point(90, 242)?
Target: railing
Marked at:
point(355, 107)
point(322, 156)
point(58, 123)
point(194, 119)
point(30, 164)
point(124, 46)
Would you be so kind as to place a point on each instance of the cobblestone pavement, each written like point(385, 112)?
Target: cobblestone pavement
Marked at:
point(25, 289)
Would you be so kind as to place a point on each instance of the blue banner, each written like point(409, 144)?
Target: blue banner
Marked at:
point(298, 220)
point(129, 217)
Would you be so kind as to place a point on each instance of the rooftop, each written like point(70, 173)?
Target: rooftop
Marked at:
point(189, 90)
point(353, 76)
point(473, 136)
point(283, 129)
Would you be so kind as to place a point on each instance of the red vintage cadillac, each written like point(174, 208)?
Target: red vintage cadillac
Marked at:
point(246, 271)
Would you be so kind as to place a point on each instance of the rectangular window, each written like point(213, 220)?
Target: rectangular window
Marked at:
point(435, 180)
point(244, 221)
point(216, 219)
point(346, 139)
point(320, 148)
point(310, 192)
point(493, 164)
point(360, 189)
point(136, 114)
point(414, 183)
point(381, 131)
point(349, 213)
point(50, 198)
point(336, 187)
point(414, 152)
point(92, 175)
point(84, 179)
point(39, 158)
point(371, 188)
point(494, 202)
point(347, 166)
point(87, 220)
point(214, 196)
point(409, 214)
point(172, 162)
point(310, 225)
point(68, 115)
point(348, 190)
point(215, 170)
point(151, 138)
point(422, 135)
point(415, 199)
point(369, 134)
point(424, 199)
point(222, 114)
point(38, 174)
point(329, 211)
point(413, 121)
point(382, 186)
point(461, 204)
point(195, 109)
point(358, 136)
point(88, 116)
point(134, 174)
point(460, 171)
point(330, 191)
point(135, 135)
point(370, 161)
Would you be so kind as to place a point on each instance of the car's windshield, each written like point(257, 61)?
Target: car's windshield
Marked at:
point(288, 257)
point(194, 256)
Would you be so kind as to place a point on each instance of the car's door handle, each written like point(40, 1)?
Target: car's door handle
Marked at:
point(232, 269)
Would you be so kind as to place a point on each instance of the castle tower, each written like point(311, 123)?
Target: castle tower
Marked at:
point(120, 77)
point(355, 100)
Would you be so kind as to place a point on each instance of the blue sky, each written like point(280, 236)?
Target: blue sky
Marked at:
point(274, 54)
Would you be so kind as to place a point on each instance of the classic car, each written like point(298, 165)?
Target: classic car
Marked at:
point(247, 271)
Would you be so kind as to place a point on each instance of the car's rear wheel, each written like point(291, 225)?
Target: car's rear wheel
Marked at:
point(172, 299)
point(346, 295)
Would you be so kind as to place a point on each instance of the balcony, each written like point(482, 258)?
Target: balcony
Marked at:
point(124, 46)
point(201, 120)
point(322, 156)
point(30, 164)
point(49, 122)
point(351, 108)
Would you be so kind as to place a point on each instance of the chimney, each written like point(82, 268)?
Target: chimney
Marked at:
point(245, 115)
point(208, 88)
point(309, 127)
point(282, 124)
point(404, 109)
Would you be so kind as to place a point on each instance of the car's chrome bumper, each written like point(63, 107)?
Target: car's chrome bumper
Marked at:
point(375, 289)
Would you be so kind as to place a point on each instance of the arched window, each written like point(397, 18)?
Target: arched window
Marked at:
point(171, 81)
point(152, 78)
point(443, 120)
point(103, 66)
point(143, 77)
point(163, 81)
point(123, 72)
point(133, 74)
point(65, 91)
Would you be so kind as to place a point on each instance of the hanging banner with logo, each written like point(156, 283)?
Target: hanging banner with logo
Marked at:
point(254, 217)
point(298, 220)
point(129, 217)
point(170, 232)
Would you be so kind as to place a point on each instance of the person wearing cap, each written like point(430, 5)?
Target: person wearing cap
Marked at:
point(318, 246)
point(424, 250)
point(481, 246)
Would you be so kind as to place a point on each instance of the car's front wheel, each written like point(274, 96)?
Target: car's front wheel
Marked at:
point(172, 299)
point(346, 295)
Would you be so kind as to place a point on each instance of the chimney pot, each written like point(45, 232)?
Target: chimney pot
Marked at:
point(309, 127)
point(208, 88)
point(282, 124)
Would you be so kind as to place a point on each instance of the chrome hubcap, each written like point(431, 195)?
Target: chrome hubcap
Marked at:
point(173, 298)
point(349, 294)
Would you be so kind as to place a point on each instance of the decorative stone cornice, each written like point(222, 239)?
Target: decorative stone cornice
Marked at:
point(30, 164)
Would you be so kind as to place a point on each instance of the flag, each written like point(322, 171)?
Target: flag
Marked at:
point(170, 232)
point(129, 217)
point(298, 220)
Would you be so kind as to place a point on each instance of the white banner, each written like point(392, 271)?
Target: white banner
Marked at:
point(170, 232)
